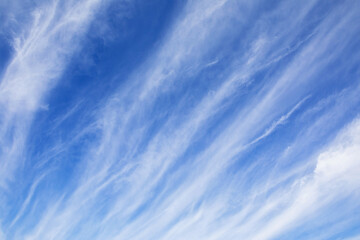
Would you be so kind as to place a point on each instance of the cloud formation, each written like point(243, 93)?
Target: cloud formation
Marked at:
point(228, 119)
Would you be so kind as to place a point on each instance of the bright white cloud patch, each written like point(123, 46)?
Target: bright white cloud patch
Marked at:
point(341, 161)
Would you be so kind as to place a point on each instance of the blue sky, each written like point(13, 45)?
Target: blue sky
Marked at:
point(172, 120)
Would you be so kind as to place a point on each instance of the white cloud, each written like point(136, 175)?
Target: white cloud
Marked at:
point(334, 178)
point(41, 53)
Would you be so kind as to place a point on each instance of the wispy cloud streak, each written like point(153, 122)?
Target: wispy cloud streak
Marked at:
point(41, 52)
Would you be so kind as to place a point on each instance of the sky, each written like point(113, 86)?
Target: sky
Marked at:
point(173, 120)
